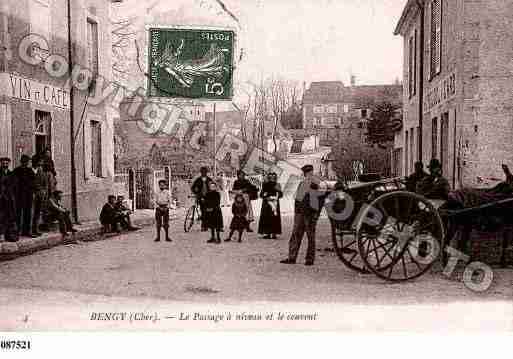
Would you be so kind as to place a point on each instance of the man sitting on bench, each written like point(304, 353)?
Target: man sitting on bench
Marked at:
point(61, 214)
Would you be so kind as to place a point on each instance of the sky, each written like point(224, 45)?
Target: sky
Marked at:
point(308, 40)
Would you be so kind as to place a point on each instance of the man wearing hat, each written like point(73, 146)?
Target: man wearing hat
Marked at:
point(56, 210)
point(24, 181)
point(305, 217)
point(434, 185)
point(7, 201)
point(200, 188)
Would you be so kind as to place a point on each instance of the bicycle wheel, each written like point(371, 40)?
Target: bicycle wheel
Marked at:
point(189, 218)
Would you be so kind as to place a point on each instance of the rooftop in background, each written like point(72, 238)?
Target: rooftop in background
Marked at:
point(335, 92)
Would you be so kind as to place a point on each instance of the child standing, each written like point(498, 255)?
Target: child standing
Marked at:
point(239, 220)
point(163, 201)
point(213, 215)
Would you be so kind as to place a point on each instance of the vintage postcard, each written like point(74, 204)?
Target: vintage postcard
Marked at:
point(262, 165)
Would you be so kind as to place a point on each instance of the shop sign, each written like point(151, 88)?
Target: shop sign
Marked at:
point(442, 92)
point(33, 91)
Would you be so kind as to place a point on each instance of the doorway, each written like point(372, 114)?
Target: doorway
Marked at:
point(42, 131)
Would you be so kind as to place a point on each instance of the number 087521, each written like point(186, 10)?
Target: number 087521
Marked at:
point(14, 344)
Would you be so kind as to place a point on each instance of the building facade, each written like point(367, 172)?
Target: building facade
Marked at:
point(458, 88)
point(336, 111)
point(35, 92)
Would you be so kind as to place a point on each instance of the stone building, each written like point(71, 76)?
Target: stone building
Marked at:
point(36, 99)
point(337, 111)
point(458, 88)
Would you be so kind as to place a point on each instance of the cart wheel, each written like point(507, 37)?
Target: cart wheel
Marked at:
point(346, 247)
point(400, 235)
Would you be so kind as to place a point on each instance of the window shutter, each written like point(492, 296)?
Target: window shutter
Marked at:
point(107, 147)
point(410, 66)
point(87, 149)
point(414, 70)
point(438, 36)
point(435, 36)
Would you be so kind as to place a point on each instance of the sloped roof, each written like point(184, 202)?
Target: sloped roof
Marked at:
point(336, 92)
point(228, 118)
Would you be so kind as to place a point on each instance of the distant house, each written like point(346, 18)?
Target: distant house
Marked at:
point(329, 106)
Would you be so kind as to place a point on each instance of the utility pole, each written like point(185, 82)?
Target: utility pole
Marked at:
point(74, 207)
point(215, 139)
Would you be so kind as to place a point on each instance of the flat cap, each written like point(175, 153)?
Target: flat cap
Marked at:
point(307, 168)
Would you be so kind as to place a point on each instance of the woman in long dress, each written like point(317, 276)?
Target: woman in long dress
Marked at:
point(270, 217)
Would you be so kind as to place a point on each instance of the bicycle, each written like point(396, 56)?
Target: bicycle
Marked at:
point(193, 215)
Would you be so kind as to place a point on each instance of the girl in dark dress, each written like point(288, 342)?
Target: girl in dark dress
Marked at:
point(270, 217)
point(239, 220)
point(213, 214)
point(248, 190)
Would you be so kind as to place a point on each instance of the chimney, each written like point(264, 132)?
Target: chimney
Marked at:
point(353, 80)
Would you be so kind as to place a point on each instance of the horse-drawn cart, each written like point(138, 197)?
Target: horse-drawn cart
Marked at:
point(379, 227)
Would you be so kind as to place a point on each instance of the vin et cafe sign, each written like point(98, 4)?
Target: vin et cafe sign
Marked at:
point(442, 92)
point(33, 91)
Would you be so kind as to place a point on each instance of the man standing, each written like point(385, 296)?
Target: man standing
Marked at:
point(416, 177)
point(24, 182)
point(200, 188)
point(305, 217)
point(41, 186)
point(434, 186)
point(7, 202)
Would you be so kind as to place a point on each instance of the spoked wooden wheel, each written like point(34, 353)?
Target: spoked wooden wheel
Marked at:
point(189, 218)
point(400, 235)
point(346, 247)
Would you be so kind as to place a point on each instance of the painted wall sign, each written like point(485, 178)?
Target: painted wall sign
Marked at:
point(442, 92)
point(191, 63)
point(33, 91)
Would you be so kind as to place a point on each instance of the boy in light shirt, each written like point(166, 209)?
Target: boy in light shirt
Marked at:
point(163, 201)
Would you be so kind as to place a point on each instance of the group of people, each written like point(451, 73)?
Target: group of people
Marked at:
point(209, 197)
point(29, 198)
point(244, 192)
point(115, 215)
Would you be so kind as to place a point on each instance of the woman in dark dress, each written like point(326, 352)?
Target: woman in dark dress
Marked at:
point(270, 217)
point(213, 215)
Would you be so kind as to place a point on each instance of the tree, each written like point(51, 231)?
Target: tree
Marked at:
point(384, 122)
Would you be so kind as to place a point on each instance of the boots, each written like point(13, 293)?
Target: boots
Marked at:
point(166, 230)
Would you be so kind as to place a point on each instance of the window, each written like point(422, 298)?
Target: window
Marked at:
point(42, 130)
point(444, 142)
point(96, 148)
point(412, 64)
point(40, 18)
point(318, 109)
point(412, 147)
point(332, 109)
point(5, 133)
point(346, 108)
point(436, 37)
point(406, 159)
point(92, 47)
point(419, 134)
point(434, 138)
